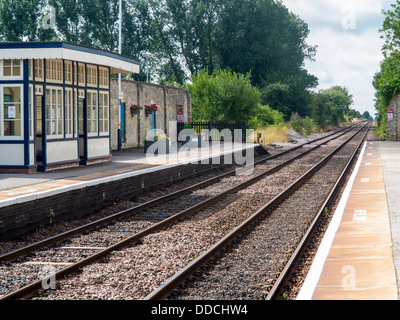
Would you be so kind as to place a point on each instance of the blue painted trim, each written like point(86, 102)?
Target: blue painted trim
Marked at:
point(26, 111)
point(85, 119)
point(12, 142)
point(44, 127)
point(62, 139)
point(66, 45)
point(63, 95)
point(12, 81)
point(98, 137)
point(17, 167)
point(33, 82)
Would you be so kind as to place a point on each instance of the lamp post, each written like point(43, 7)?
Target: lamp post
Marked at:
point(120, 94)
point(147, 56)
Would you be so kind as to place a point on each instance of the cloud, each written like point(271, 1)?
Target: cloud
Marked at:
point(349, 44)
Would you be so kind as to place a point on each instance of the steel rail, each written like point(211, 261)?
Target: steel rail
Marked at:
point(36, 286)
point(285, 274)
point(122, 214)
point(165, 289)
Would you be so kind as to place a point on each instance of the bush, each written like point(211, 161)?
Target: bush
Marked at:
point(304, 126)
point(267, 116)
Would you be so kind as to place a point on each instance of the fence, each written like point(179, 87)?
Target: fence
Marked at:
point(218, 134)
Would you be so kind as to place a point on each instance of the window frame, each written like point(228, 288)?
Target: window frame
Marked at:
point(54, 67)
point(81, 75)
point(91, 76)
point(105, 121)
point(57, 120)
point(69, 112)
point(2, 120)
point(21, 68)
point(39, 67)
point(104, 78)
point(68, 73)
point(92, 110)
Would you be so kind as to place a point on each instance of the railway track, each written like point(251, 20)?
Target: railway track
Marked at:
point(144, 222)
point(259, 264)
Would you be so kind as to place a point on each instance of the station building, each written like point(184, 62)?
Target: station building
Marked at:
point(55, 104)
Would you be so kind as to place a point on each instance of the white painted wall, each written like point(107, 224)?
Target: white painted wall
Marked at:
point(12, 155)
point(98, 147)
point(62, 151)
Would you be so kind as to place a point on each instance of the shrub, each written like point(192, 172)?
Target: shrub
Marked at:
point(304, 126)
point(265, 117)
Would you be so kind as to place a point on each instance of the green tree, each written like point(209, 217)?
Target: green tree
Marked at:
point(261, 36)
point(19, 19)
point(340, 99)
point(391, 29)
point(387, 80)
point(223, 96)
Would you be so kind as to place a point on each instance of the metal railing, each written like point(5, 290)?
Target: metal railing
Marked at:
point(216, 131)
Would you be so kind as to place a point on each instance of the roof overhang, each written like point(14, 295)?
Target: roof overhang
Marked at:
point(69, 51)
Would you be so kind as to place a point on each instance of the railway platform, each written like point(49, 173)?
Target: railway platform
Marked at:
point(37, 199)
point(359, 256)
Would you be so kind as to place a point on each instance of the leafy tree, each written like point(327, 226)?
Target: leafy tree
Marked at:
point(391, 29)
point(387, 80)
point(323, 112)
point(340, 99)
point(277, 95)
point(261, 36)
point(223, 96)
point(19, 19)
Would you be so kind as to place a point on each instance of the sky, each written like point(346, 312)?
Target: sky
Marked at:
point(349, 44)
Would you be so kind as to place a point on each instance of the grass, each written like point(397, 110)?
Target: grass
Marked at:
point(275, 134)
point(272, 134)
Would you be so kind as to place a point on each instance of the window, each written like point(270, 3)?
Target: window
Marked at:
point(92, 110)
point(68, 72)
point(68, 113)
point(103, 112)
point(11, 112)
point(30, 69)
point(91, 76)
point(75, 73)
point(103, 78)
point(12, 68)
point(81, 100)
point(39, 70)
point(81, 75)
point(54, 112)
point(54, 70)
point(31, 124)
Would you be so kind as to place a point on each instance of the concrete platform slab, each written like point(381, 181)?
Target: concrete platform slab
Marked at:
point(355, 260)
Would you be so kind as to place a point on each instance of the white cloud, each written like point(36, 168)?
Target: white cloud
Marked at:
point(349, 44)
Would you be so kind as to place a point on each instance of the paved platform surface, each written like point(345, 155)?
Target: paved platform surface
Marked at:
point(359, 257)
point(24, 187)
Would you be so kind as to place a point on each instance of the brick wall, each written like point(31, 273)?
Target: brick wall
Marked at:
point(392, 126)
point(168, 100)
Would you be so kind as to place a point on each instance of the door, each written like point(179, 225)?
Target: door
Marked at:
point(153, 123)
point(39, 128)
point(123, 135)
point(82, 124)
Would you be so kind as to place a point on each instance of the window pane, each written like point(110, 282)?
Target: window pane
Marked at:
point(12, 94)
point(12, 128)
point(16, 71)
